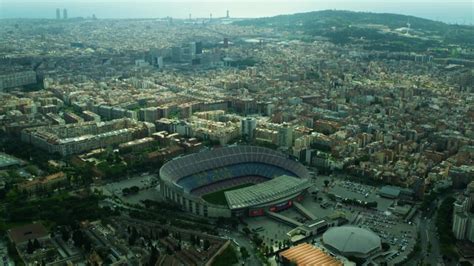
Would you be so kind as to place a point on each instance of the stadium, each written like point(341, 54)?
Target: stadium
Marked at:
point(234, 181)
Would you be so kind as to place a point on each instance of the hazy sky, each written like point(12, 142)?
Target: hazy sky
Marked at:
point(451, 11)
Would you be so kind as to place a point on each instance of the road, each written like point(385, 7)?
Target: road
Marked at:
point(429, 234)
point(243, 241)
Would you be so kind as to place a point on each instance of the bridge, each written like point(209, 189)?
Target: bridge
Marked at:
point(305, 212)
point(283, 219)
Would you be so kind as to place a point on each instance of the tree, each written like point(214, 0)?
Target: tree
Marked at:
point(227, 257)
point(78, 238)
point(244, 252)
point(326, 183)
point(36, 244)
point(65, 234)
point(87, 244)
point(192, 239)
point(30, 247)
point(168, 250)
point(33, 170)
point(257, 240)
point(154, 254)
point(207, 244)
point(133, 237)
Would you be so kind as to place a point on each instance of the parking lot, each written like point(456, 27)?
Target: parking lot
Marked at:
point(391, 228)
point(147, 183)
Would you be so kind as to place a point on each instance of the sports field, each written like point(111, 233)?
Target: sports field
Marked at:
point(218, 197)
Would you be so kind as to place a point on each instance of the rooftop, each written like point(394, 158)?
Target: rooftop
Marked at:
point(306, 254)
point(352, 240)
point(7, 160)
point(265, 192)
point(24, 233)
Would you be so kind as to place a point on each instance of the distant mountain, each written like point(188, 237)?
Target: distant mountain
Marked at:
point(376, 30)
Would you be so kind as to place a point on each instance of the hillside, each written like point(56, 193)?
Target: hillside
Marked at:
point(374, 30)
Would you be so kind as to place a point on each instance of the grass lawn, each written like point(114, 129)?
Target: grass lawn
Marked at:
point(218, 197)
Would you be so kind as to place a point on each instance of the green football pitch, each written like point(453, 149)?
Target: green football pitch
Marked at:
point(218, 197)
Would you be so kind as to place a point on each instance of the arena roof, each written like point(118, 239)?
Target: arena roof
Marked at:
point(265, 192)
point(352, 240)
point(306, 254)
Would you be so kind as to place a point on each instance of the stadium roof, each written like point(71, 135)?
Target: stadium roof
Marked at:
point(265, 192)
point(190, 164)
point(352, 240)
point(306, 254)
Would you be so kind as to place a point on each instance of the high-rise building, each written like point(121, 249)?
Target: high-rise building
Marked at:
point(64, 13)
point(159, 62)
point(460, 221)
point(470, 228)
point(248, 126)
point(227, 16)
point(176, 54)
point(226, 42)
point(58, 13)
point(192, 49)
point(285, 136)
point(460, 205)
point(470, 195)
point(156, 56)
point(199, 47)
point(463, 218)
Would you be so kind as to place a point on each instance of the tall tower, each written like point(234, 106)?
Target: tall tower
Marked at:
point(227, 16)
point(64, 13)
point(285, 136)
point(248, 126)
point(58, 13)
point(460, 221)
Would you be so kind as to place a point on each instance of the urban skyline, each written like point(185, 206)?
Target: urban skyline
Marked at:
point(317, 138)
point(459, 12)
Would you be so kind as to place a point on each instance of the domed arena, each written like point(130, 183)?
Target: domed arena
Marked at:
point(352, 241)
point(234, 181)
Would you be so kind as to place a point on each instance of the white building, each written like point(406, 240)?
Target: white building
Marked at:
point(17, 79)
